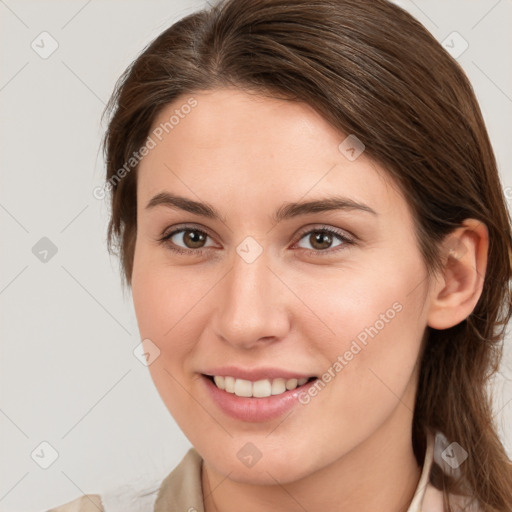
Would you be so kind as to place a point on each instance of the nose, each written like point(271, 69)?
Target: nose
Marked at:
point(253, 305)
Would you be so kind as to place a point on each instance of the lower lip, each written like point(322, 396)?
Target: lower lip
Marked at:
point(255, 409)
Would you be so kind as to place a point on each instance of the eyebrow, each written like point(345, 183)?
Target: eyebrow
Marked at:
point(286, 211)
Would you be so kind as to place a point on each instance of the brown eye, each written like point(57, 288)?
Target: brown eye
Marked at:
point(321, 240)
point(185, 240)
point(193, 238)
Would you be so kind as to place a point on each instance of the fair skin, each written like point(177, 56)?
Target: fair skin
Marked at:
point(298, 306)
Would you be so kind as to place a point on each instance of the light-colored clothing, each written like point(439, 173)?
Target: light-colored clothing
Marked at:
point(181, 491)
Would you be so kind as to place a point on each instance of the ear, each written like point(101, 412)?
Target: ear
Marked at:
point(455, 293)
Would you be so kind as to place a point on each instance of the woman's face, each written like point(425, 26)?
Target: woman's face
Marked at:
point(261, 300)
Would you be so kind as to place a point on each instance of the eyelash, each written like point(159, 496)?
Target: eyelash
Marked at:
point(165, 240)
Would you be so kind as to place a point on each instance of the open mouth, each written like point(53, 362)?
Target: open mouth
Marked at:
point(258, 389)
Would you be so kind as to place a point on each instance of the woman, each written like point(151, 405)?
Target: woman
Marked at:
point(308, 211)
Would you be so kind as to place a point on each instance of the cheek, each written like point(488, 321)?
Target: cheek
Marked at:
point(372, 318)
point(349, 300)
point(164, 297)
point(165, 300)
point(170, 305)
point(377, 324)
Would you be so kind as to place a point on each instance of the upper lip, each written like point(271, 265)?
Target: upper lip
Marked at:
point(255, 374)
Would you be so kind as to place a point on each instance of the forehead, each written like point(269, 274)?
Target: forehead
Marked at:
point(232, 144)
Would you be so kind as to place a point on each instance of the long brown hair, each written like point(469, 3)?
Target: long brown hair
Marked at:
point(372, 70)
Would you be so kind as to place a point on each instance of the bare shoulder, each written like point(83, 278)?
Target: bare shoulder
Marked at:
point(85, 503)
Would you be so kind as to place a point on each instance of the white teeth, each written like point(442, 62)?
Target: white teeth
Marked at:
point(291, 384)
point(219, 381)
point(278, 386)
point(262, 388)
point(229, 384)
point(259, 389)
point(243, 387)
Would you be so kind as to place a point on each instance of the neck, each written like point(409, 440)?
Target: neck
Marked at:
point(379, 474)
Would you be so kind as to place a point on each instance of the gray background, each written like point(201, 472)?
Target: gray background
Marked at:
point(68, 374)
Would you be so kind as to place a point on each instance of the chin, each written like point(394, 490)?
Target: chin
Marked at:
point(266, 467)
point(268, 473)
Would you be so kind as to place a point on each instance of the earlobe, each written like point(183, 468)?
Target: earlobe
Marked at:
point(456, 292)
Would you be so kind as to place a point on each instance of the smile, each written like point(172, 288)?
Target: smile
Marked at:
point(258, 389)
point(253, 400)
